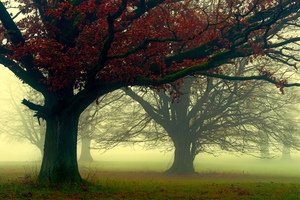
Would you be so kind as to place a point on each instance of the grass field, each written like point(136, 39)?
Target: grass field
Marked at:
point(128, 180)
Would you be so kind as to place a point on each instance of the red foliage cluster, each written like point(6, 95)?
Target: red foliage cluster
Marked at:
point(270, 75)
point(152, 37)
point(71, 41)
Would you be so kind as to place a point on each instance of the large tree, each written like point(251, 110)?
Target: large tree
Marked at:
point(213, 113)
point(75, 51)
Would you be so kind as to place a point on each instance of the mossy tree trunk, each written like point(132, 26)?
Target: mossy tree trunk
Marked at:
point(60, 151)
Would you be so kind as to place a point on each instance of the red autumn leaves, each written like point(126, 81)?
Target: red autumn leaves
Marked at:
point(121, 40)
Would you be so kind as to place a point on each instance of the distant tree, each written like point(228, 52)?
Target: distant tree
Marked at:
point(215, 114)
point(123, 122)
point(75, 51)
point(279, 124)
point(283, 125)
point(286, 152)
point(115, 120)
point(86, 130)
point(286, 125)
point(17, 123)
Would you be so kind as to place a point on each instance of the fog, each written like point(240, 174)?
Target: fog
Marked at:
point(139, 158)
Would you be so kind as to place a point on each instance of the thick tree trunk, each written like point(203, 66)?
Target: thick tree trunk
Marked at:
point(60, 153)
point(183, 159)
point(85, 155)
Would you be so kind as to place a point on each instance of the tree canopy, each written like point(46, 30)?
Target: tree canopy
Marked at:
point(86, 44)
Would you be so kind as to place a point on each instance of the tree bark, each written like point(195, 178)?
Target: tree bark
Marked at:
point(60, 153)
point(85, 155)
point(183, 159)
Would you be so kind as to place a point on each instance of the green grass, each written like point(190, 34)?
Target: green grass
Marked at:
point(18, 181)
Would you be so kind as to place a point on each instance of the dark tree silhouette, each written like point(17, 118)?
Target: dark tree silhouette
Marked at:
point(210, 114)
